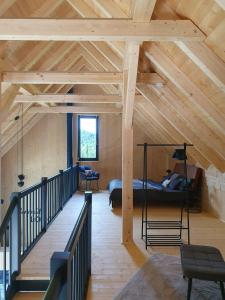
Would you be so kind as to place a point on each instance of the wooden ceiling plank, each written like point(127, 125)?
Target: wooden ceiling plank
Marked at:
point(28, 125)
point(109, 54)
point(143, 10)
point(98, 30)
point(206, 60)
point(192, 119)
point(109, 9)
point(7, 99)
point(221, 3)
point(73, 61)
point(168, 133)
point(82, 8)
point(178, 123)
point(186, 86)
point(74, 109)
point(86, 46)
point(5, 5)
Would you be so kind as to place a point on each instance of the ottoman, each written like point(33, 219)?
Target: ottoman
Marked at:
point(204, 263)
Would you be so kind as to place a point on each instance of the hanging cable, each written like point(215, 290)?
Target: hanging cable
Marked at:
point(20, 148)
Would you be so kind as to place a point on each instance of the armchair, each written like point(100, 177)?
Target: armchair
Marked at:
point(87, 176)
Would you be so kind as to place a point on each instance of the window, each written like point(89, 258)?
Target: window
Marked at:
point(87, 138)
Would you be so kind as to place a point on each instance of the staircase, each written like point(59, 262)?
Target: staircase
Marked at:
point(40, 221)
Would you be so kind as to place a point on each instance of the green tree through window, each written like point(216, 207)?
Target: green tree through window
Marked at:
point(87, 138)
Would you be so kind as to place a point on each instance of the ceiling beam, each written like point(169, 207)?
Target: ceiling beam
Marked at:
point(143, 10)
point(76, 78)
point(59, 98)
point(98, 30)
point(206, 60)
point(198, 99)
point(91, 109)
point(62, 77)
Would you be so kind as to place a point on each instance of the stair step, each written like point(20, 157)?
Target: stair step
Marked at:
point(28, 296)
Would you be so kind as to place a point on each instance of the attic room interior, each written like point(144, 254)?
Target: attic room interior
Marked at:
point(112, 138)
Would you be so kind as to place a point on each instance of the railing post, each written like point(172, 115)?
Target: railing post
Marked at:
point(77, 174)
point(14, 237)
point(58, 260)
point(61, 191)
point(44, 203)
point(71, 181)
point(88, 198)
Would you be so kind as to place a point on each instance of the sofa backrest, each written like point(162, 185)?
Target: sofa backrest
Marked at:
point(193, 173)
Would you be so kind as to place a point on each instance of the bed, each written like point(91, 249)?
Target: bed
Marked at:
point(157, 192)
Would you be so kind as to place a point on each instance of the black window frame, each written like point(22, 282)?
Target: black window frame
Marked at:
point(97, 137)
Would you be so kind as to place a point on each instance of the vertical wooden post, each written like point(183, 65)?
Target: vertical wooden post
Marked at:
point(129, 86)
point(127, 191)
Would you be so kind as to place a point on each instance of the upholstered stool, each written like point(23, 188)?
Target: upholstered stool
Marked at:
point(204, 263)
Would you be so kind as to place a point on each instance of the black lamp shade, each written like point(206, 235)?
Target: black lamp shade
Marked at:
point(179, 154)
point(21, 177)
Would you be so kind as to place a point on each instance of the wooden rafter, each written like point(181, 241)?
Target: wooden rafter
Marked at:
point(206, 60)
point(143, 10)
point(158, 124)
point(221, 3)
point(185, 85)
point(208, 152)
point(98, 30)
point(191, 118)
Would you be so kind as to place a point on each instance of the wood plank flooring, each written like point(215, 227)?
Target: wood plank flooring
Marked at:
point(113, 263)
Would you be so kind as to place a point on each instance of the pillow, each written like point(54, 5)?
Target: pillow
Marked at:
point(167, 177)
point(165, 183)
point(175, 181)
point(88, 172)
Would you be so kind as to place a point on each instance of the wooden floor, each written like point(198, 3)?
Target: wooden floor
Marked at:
point(113, 263)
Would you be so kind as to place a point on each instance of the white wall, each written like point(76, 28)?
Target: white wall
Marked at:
point(214, 192)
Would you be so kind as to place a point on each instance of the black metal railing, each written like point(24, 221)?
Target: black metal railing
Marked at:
point(29, 214)
point(71, 269)
point(9, 266)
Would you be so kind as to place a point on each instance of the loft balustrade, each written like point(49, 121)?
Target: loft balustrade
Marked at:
point(29, 215)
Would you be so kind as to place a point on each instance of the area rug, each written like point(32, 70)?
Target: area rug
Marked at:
point(161, 279)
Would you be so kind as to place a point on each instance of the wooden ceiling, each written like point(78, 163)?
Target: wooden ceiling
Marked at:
point(160, 62)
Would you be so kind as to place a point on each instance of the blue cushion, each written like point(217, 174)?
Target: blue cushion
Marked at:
point(83, 168)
